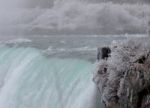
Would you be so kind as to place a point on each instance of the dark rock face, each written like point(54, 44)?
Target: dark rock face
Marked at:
point(124, 78)
point(103, 53)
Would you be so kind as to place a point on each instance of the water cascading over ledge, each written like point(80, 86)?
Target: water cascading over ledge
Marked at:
point(28, 79)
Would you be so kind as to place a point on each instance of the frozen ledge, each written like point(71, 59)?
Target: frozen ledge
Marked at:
point(123, 74)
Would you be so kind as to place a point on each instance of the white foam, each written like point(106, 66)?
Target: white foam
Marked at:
point(19, 40)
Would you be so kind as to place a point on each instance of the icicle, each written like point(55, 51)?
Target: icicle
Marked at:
point(128, 92)
point(148, 29)
point(131, 98)
point(138, 76)
point(121, 88)
point(147, 99)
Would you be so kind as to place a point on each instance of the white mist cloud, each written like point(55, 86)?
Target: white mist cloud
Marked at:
point(38, 3)
point(8, 4)
point(101, 17)
point(75, 16)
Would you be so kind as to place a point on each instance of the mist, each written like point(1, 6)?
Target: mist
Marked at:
point(74, 17)
point(38, 3)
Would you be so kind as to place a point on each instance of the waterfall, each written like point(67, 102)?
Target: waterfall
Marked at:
point(28, 79)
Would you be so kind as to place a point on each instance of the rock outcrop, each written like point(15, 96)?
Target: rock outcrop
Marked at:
point(124, 78)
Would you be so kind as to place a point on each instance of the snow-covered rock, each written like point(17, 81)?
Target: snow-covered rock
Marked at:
point(124, 78)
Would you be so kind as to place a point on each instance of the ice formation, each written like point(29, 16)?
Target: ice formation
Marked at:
point(124, 78)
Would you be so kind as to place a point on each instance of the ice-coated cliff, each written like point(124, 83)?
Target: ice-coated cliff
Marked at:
point(124, 78)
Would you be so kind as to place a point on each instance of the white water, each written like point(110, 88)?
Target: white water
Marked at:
point(30, 80)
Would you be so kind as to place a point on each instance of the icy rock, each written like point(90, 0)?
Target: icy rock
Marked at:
point(124, 78)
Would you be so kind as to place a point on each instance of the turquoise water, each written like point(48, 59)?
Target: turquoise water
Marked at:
point(28, 79)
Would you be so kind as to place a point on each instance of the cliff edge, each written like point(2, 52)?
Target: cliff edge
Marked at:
point(123, 76)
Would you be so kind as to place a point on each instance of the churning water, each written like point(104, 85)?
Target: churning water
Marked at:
point(50, 72)
point(30, 80)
